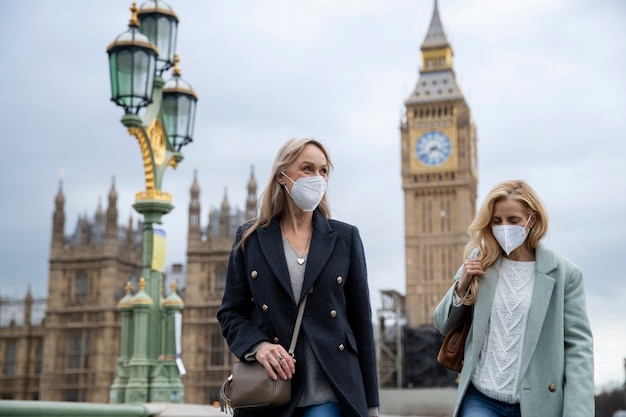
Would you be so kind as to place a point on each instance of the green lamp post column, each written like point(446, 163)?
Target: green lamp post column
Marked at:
point(171, 360)
point(137, 60)
point(121, 370)
point(139, 365)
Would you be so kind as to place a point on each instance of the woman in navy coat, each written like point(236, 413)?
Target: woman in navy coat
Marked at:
point(293, 248)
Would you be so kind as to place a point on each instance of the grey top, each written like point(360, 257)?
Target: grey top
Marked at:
point(316, 387)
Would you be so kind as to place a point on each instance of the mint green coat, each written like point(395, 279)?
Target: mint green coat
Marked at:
point(557, 363)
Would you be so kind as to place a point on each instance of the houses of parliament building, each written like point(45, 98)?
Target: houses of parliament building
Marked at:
point(65, 347)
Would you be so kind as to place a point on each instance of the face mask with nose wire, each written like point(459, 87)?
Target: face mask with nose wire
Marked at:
point(307, 192)
point(510, 237)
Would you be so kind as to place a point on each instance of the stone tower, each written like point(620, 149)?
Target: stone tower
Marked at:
point(205, 352)
point(439, 177)
point(87, 273)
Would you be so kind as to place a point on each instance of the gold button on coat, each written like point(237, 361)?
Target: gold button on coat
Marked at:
point(254, 274)
point(276, 339)
point(552, 387)
point(265, 307)
point(339, 280)
point(333, 313)
point(341, 347)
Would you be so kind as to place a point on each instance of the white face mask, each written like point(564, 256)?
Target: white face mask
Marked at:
point(307, 192)
point(510, 237)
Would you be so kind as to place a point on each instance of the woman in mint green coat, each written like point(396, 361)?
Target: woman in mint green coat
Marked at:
point(529, 352)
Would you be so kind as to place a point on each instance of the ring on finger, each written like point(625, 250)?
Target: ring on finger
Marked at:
point(279, 358)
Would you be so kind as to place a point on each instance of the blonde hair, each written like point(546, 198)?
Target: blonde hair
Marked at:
point(273, 199)
point(480, 233)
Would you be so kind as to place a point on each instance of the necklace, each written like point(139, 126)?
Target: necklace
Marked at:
point(301, 258)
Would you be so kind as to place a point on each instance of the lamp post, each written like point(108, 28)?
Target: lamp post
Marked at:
point(147, 369)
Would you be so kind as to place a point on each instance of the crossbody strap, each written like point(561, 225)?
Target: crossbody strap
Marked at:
point(296, 329)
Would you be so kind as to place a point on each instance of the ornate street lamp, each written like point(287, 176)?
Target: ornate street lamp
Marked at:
point(179, 109)
point(146, 370)
point(160, 24)
point(132, 63)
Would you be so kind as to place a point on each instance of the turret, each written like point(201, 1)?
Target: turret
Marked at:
point(251, 201)
point(224, 216)
point(28, 307)
point(84, 231)
point(130, 234)
point(58, 218)
point(111, 222)
point(194, 208)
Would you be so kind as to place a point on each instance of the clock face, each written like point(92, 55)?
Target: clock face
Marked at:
point(433, 148)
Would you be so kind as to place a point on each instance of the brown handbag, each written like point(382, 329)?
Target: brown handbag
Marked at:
point(450, 354)
point(250, 387)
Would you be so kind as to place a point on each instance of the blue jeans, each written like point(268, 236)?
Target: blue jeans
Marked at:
point(322, 410)
point(476, 404)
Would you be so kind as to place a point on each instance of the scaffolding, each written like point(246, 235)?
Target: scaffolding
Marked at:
point(392, 319)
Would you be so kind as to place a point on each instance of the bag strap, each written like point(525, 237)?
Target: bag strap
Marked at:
point(296, 329)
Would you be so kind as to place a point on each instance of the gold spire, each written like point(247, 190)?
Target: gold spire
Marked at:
point(134, 20)
point(173, 300)
point(125, 302)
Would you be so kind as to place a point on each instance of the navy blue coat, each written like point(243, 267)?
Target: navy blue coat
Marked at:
point(259, 305)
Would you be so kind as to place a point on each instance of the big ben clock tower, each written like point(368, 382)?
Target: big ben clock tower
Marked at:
point(439, 177)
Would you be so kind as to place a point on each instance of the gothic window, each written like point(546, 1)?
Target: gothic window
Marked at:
point(10, 358)
point(218, 352)
point(81, 286)
point(220, 278)
point(78, 349)
point(38, 357)
point(75, 395)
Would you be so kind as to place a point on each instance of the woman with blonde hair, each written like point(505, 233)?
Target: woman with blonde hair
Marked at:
point(530, 348)
point(292, 249)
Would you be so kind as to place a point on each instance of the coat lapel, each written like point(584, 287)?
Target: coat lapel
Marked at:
point(542, 292)
point(271, 243)
point(482, 309)
point(320, 250)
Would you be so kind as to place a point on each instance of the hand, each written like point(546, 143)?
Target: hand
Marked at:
point(471, 268)
point(276, 361)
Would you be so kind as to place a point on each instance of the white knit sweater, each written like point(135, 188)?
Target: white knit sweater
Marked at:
point(497, 373)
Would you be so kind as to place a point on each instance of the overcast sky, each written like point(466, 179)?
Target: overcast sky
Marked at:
point(545, 80)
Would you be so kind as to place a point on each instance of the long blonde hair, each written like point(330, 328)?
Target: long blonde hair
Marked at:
point(480, 233)
point(273, 199)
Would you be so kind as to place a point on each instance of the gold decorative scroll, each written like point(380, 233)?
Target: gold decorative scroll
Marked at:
point(145, 153)
point(156, 133)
